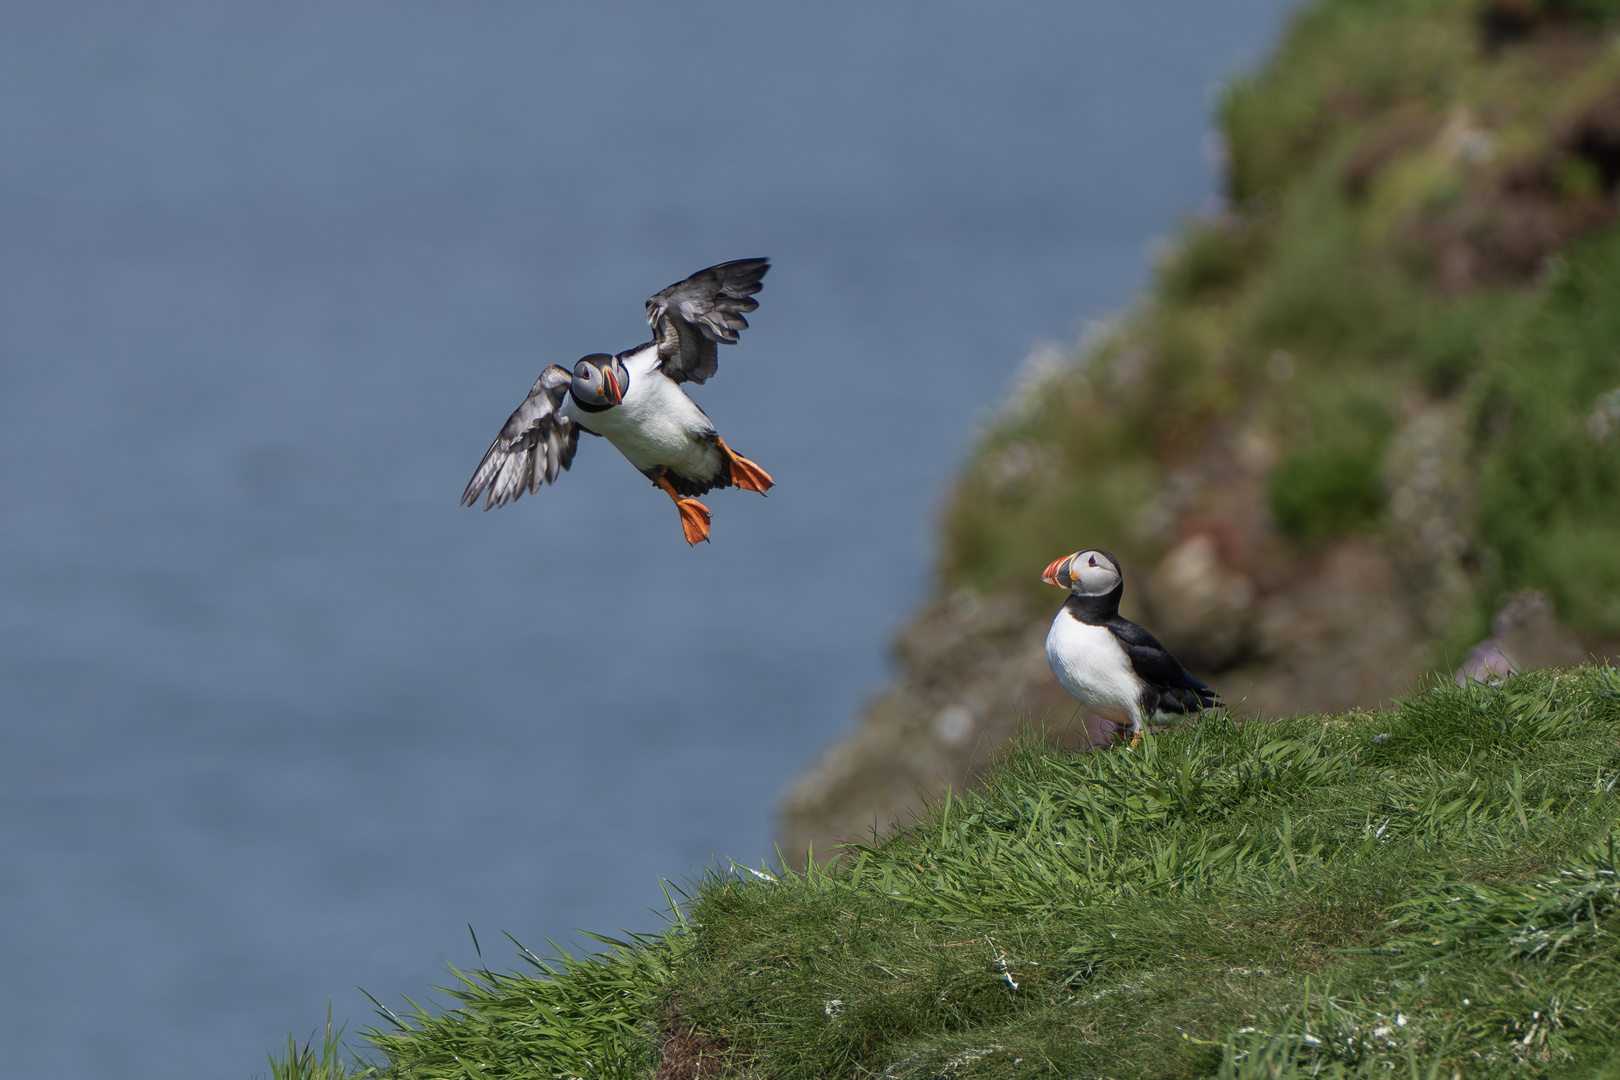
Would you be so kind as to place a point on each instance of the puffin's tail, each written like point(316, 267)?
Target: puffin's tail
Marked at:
point(1189, 699)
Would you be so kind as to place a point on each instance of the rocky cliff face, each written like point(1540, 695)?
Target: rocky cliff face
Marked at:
point(1356, 427)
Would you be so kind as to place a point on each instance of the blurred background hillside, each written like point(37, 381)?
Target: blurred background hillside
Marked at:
point(1363, 428)
point(277, 717)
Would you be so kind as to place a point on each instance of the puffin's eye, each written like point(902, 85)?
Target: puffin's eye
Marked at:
point(1092, 561)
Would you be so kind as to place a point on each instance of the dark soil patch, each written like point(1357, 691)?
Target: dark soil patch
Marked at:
point(689, 1054)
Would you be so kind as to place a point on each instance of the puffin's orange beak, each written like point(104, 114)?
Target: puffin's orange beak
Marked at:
point(614, 394)
point(1050, 577)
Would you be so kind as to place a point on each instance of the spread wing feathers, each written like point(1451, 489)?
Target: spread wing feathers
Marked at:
point(691, 317)
point(535, 444)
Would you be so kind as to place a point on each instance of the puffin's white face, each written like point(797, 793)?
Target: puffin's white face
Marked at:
point(600, 379)
point(1085, 573)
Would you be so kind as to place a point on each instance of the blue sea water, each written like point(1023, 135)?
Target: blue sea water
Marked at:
point(278, 718)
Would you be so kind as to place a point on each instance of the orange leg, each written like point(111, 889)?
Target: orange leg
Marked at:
point(744, 473)
point(694, 515)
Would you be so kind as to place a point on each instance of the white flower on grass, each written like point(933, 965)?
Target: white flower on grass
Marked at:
point(1002, 963)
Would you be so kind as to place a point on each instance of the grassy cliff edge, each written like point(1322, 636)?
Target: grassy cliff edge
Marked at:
point(1428, 889)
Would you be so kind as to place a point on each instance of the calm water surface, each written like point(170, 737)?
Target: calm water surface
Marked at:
point(277, 718)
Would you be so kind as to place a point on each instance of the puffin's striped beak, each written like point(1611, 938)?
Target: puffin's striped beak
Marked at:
point(1050, 577)
point(613, 394)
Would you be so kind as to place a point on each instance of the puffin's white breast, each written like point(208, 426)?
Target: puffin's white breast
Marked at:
point(656, 424)
point(1092, 666)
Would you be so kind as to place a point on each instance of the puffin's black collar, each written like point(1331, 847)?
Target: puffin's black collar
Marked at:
point(586, 407)
point(1095, 610)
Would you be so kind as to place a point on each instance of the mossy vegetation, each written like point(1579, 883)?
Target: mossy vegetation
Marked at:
point(1330, 483)
point(1550, 488)
point(1429, 890)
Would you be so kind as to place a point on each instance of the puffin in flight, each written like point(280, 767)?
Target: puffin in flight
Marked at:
point(1109, 664)
point(635, 401)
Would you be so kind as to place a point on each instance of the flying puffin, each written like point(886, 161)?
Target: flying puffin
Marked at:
point(1109, 664)
point(635, 401)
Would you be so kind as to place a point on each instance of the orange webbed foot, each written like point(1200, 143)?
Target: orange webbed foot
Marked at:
point(694, 515)
point(694, 520)
point(744, 473)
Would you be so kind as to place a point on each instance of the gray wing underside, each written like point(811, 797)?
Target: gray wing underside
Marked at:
point(690, 318)
point(536, 443)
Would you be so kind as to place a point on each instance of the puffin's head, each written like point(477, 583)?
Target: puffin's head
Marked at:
point(600, 379)
point(1092, 572)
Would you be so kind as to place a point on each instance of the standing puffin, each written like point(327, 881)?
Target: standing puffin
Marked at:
point(1106, 662)
point(635, 401)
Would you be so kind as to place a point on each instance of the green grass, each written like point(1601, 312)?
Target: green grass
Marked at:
point(1425, 891)
point(305, 1062)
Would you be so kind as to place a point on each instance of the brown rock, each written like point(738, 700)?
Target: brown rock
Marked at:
point(1203, 611)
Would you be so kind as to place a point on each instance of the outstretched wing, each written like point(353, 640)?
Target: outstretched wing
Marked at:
point(691, 317)
point(535, 444)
